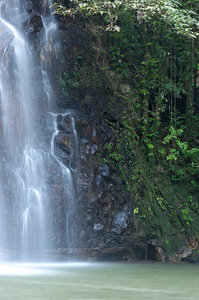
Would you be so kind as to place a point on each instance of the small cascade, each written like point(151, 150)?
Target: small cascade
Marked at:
point(47, 7)
point(67, 181)
point(50, 49)
point(48, 89)
point(74, 159)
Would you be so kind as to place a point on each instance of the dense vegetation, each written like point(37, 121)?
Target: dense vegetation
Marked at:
point(149, 51)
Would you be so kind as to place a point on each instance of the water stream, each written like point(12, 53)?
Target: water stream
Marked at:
point(68, 189)
point(26, 204)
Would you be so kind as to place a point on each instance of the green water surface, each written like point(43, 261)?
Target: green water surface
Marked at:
point(99, 281)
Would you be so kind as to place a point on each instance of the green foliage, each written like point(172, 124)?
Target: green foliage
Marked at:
point(183, 20)
point(150, 47)
point(65, 80)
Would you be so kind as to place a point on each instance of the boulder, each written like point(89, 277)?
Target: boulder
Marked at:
point(33, 25)
point(120, 222)
point(194, 257)
point(183, 254)
point(104, 169)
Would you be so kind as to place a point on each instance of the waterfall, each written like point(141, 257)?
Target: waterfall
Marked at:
point(33, 216)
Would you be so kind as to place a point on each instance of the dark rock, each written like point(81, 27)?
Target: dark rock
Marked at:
point(106, 202)
point(82, 233)
point(117, 182)
point(104, 169)
point(110, 114)
point(84, 141)
point(29, 6)
point(98, 226)
point(120, 222)
point(98, 180)
point(194, 258)
point(34, 24)
point(159, 253)
point(64, 124)
point(182, 255)
point(121, 200)
point(94, 148)
point(193, 261)
point(65, 142)
point(62, 143)
point(84, 152)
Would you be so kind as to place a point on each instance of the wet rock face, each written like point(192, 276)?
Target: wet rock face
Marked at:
point(29, 5)
point(183, 254)
point(33, 25)
point(104, 214)
point(104, 207)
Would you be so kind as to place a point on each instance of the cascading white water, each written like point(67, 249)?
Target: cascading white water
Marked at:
point(50, 43)
point(22, 158)
point(68, 189)
point(27, 210)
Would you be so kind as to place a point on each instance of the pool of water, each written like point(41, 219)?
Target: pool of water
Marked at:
point(99, 281)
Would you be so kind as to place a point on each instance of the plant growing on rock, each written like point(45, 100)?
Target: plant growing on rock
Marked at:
point(152, 48)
